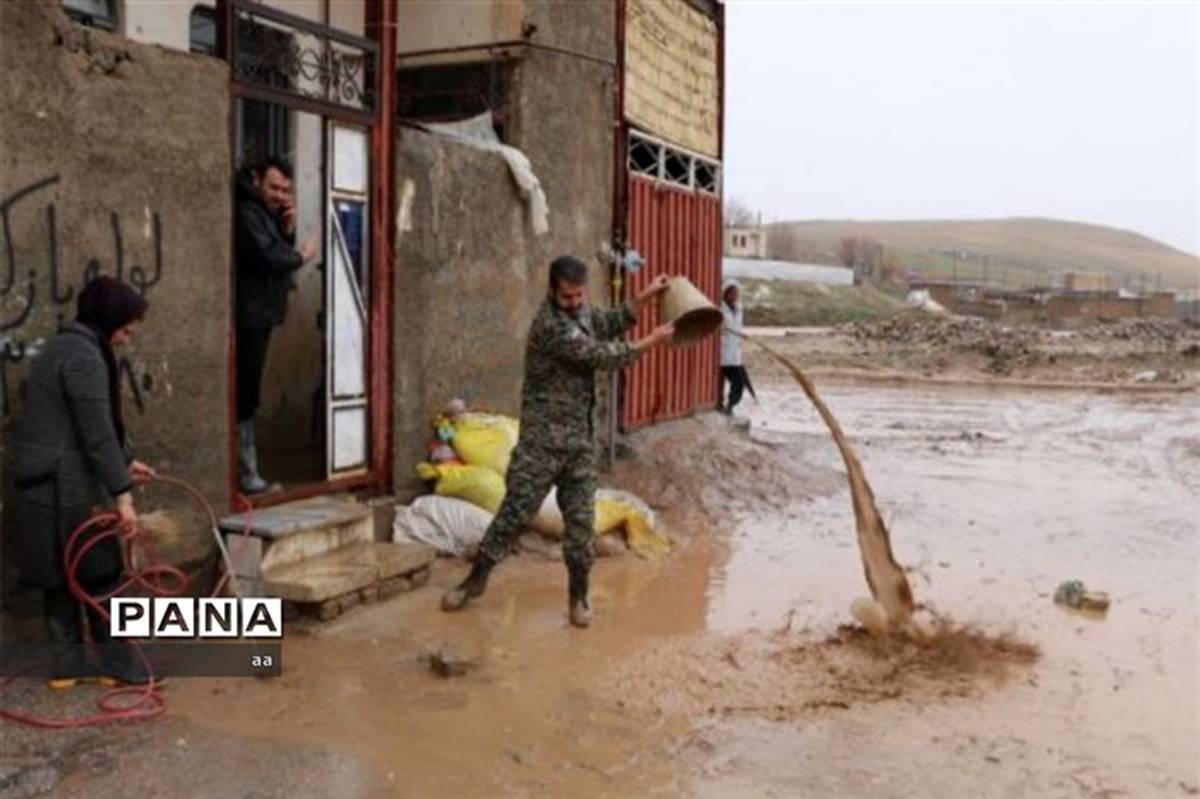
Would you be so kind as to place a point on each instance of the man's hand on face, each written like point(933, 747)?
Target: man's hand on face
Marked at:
point(287, 216)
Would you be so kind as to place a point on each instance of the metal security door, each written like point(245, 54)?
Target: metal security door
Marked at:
point(673, 218)
point(347, 287)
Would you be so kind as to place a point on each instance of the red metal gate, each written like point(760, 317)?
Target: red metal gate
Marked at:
point(679, 233)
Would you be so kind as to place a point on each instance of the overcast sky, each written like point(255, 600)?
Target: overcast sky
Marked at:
point(1087, 112)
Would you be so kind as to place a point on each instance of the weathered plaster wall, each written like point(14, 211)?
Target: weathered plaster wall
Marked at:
point(107, 166)
point(466, 286)
point(428, 26)
point(563, 120)
point(470, 272)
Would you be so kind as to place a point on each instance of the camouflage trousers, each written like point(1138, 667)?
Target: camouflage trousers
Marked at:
point(531, 473)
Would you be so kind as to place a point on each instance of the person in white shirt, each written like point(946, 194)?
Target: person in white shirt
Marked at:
point(732, 371)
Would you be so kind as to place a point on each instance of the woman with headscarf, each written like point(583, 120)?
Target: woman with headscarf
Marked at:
point(71, 461)
point(732, 371)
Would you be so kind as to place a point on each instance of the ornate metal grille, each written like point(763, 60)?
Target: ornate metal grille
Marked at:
point(674, 166)
point(281, 57)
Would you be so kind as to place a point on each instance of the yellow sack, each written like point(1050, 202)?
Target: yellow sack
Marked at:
point(617, 513)
point(484, 439)
point(610, 514)
point(642, 538)
point(481, 487)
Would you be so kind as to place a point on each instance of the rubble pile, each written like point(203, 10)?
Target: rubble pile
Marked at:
point(1143, 331)
point(1004, 347)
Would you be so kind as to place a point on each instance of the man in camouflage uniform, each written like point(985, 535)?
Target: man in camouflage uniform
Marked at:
point(568, 342)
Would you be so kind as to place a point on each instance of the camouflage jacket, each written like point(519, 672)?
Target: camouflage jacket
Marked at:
point(562, 355)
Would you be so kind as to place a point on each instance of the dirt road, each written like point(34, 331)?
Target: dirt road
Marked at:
point(721, 670)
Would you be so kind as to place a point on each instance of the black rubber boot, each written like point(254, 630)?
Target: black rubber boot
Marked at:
point(474, 586)
point(64, 633)
point(117, 663)
point(577, 589)
point(66, 650)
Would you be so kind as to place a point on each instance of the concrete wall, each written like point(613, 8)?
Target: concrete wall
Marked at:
point(1110, 306)
point(470, 272)
point(1077, 281)
point(166, 22)
point(429, 26)
point(467, 284)
point(563, 120)
point(106, 164)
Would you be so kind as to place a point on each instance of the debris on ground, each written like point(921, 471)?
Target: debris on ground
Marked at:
point(1074, 594)
point(447, 661)
point(972, 332)
point(1148, 351)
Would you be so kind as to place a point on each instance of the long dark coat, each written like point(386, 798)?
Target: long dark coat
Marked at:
point(69, 461)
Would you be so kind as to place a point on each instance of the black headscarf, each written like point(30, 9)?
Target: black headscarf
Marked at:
point(105, 306)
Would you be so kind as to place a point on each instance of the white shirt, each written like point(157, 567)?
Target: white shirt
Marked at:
point(731, 345)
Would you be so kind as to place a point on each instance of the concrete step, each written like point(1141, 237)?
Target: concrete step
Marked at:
point(294, 518)
point(345, 570)
point(294, 532)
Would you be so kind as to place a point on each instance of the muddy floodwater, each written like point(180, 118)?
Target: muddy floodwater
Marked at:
point(993, 499)
point(721, 670)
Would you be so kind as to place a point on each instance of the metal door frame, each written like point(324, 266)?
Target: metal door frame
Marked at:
point(378, 95)
point(335, 238)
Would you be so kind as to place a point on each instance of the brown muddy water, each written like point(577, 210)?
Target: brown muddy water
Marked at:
point(723, 671)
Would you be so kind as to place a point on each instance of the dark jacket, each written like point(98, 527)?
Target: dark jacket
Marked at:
point(68, 458)
point(265, 259)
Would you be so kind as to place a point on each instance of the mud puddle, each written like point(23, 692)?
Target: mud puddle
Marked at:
point(723, 670)
point(993, 498)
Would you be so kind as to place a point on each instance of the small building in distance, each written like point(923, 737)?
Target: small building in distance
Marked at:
point(746, 241)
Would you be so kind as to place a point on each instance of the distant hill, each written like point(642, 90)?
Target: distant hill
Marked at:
point(1014, 252)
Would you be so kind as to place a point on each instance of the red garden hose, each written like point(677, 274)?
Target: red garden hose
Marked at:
point(129, 702)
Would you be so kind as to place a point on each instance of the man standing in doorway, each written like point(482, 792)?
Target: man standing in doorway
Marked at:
point(266, 259)
point(568, 342)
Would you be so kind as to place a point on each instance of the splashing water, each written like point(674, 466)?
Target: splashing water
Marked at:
point(885, 577)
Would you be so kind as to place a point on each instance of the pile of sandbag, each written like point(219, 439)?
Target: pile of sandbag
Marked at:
point(467, 465)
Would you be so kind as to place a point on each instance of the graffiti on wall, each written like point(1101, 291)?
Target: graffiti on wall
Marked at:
point(19, 282)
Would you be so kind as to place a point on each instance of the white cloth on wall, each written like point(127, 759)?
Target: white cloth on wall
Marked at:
point(479, 133)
